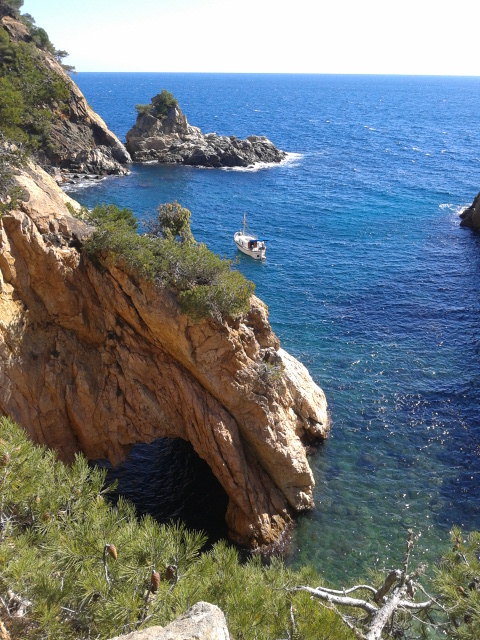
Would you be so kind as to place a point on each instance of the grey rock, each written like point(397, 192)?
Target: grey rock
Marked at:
point(203, 621)
point(173, 140)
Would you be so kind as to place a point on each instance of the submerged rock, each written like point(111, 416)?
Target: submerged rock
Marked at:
point(170, 139)
point(98, 360)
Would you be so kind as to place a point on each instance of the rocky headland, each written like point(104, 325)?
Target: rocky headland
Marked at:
point(79, 142)
point(95, 360)
point(166, 137)
point(470, 217)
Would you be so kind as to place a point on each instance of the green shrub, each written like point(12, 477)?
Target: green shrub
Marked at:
point(204, 283)
point(458, 583)
point(30, 93)
point(12, 157)
point(159, 106)
point(143, 108)
point(14, 4)
point(172, 223)
point(162, 102)
point(55, 525)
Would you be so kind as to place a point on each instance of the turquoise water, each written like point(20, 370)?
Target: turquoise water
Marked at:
point(369, 280)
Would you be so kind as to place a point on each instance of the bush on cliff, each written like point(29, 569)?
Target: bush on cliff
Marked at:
point(159, 106)
point(172, 223)
point(12, 157)
point(205, 284)
point(81, 568)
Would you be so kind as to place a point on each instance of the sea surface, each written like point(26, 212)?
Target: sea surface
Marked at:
point(369, 280)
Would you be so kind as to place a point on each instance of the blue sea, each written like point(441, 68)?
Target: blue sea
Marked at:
point(369, 280)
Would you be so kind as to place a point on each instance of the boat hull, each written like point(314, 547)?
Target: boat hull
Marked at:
point(242, 243)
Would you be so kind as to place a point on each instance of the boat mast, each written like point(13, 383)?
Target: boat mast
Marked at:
point(244, 224)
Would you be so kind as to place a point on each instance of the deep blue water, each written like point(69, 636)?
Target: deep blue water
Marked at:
point(369, 280)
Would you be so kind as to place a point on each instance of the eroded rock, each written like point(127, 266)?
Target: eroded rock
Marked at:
point(170, 139)
point(98, 361)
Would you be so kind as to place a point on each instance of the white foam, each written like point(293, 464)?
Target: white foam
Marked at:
point(82, 183)
point(457, 209)
point(291, 158)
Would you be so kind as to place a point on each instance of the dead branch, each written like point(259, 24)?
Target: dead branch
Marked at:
point(393, 577)
point(344, 592)
point(395, 594)
point(344, 601)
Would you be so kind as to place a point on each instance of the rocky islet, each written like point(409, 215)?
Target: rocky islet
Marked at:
point(171, 139)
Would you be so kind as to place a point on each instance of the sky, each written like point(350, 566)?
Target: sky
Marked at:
point(419, 37)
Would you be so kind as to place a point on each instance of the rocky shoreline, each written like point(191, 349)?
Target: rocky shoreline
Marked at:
point(171, 139)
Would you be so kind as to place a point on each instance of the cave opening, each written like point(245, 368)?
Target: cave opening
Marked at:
point(169, 481)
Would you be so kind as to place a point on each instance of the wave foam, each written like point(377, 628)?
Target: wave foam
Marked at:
point(291, 158)
point(457, 209)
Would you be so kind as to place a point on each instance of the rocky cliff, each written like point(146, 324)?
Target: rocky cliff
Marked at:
point(79, 140)
point(471, 215)
point(171, 139)
point(94, 360)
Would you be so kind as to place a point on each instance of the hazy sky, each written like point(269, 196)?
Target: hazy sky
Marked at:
point(299, 36)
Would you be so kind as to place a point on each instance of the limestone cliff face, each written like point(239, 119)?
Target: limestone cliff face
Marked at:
point(471, 215)
point(80, 140)
point(97, 361)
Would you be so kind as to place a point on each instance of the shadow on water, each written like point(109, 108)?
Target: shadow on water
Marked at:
point(169, 481)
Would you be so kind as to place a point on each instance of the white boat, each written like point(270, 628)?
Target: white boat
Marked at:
point(249, 244)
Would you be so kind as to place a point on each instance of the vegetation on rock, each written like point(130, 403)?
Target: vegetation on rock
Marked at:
point(72, 565)
point(160, 104)
point(12, 157)
point(457, 582)
point(172, 223)
point(82, 568)
point(205, 284)
point(30, 92)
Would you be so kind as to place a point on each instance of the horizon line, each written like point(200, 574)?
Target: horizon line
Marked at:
point(296, 73)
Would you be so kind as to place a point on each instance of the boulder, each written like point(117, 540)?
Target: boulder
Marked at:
point(202, 621)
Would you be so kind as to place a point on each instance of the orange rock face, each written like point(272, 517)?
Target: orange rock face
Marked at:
point(96, 361)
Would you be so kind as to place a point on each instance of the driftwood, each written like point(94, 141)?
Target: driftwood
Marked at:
point(395, 594)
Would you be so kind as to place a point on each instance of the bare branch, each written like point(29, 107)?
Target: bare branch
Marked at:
point(385, 613)
point(415, 606)
point(393, 577)
point(340, 600)
point(435, 602)
point(408, 550)
point(344, 592)
point(105, 568)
